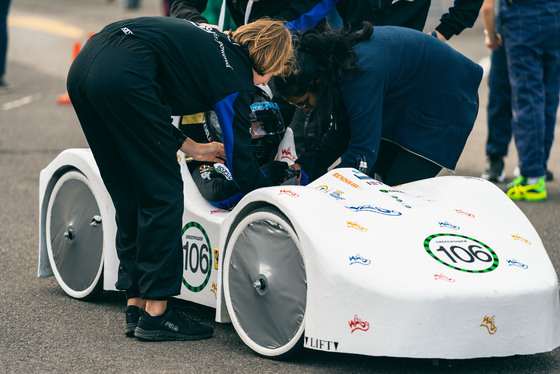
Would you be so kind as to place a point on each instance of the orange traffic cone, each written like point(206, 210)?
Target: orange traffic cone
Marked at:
point(64, 99)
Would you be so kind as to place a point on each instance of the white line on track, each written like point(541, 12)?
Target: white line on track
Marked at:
point(20, 102)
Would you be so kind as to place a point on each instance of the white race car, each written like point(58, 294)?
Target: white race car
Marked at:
point(446, 267)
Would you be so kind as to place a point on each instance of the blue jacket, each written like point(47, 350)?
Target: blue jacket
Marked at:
point(413, 90)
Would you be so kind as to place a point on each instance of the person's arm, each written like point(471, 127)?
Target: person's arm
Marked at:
point(190, 10)
point(363, 98)
point(304, 14)
point(315, 162)
point(461, 15)
point(492, 39)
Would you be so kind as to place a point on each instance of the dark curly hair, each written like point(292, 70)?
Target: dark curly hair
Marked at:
point(322, 58)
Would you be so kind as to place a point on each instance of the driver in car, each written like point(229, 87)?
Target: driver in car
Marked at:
point(214, 180)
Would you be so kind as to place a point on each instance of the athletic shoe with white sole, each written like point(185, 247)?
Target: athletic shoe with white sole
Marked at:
point(495, 170)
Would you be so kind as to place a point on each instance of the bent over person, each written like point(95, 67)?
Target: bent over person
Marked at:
point(125, 84)
point(393, 101)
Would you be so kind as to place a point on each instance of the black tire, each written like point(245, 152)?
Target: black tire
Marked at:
point(265, 283)
point(74, 236)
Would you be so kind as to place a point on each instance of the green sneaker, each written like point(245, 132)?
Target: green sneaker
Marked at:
point(520, 190)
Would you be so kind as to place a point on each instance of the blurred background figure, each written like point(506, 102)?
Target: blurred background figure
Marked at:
point(499, 96)
point(167, 4)
point(531, 34)
point(4, 8)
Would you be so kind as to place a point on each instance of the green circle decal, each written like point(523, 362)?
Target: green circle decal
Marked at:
point(197, 257)
point(461, 253)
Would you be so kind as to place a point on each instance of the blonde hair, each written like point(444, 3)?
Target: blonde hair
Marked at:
point(269, 44)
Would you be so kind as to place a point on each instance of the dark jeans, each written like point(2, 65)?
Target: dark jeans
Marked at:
point(531, 31)
point(499, 106)
point(4, 8)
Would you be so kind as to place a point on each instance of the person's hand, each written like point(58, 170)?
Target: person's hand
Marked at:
point(275, 171)
point(493, 41)
point(297, 167)
point(440, 36)
point(209, 152)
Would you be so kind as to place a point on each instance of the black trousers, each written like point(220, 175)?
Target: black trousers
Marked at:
point(115, 95)
point(395, 165)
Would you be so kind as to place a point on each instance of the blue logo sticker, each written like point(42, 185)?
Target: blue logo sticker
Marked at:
point(358, 259)
point(374, 209)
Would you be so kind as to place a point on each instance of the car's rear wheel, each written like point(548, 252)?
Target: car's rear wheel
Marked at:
point(74, 236)
point(265, 283)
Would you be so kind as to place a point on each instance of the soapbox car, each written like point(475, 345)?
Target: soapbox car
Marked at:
point(446, 268)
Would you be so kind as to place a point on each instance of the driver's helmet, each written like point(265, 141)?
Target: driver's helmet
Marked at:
point(267, 127)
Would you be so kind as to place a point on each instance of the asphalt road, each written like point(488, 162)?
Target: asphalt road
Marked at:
point(43, 330)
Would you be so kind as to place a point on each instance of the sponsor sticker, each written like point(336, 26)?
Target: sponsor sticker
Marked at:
point(448, 225)
point(287, 154)
point(460, 211)
point(374, 209)
point(323, 345)
point(289, 193)
point(514, 262)
point(358, 259)
point(521, 239)
point(343, 179)
point(444, 277)
point(490, 325)
point(358, 324)
point(355, 225)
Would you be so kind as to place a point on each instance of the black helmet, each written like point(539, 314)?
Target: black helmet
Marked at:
point(267, 127)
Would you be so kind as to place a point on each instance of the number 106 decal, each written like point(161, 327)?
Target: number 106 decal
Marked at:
point(462, 253)
point(197, 257)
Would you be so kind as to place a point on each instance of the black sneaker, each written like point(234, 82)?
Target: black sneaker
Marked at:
point(172, 325)
point(495, 171)
point(132, 316)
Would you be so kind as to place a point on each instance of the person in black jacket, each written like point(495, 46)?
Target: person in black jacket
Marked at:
point(125, 84)
point(410, 14)
point(307, 14)
point(299, 15)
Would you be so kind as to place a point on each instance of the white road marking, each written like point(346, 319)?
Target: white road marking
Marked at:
point(21, 102)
